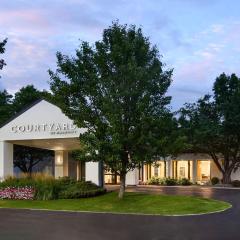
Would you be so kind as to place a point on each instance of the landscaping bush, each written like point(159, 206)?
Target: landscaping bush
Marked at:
point(162, 181)
point(184, 182)
point(170, 181)
point(81, 190)
point(215, 180)
point(153, 181)
point(65, 181)
point(236, 183)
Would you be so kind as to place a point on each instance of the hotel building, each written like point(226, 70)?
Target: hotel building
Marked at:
point(43, 125)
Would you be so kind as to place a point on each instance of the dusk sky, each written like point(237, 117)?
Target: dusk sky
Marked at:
point(198, 38)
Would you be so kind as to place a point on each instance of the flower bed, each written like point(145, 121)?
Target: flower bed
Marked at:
point(17, 193)
point(44, 187)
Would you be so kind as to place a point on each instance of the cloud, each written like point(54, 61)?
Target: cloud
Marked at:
point(214, 51)
point(199, 45)
point(217, 28)
point(1, 85)
point(35, 33)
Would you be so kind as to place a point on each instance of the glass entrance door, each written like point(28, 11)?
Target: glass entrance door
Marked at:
point(111, 178)
point(203, 170)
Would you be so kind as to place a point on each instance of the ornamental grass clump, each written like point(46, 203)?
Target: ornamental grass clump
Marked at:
point(153, 181)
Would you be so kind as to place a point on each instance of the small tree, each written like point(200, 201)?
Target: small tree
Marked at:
point(212, 125)
point(26, 158)
point(116, 89)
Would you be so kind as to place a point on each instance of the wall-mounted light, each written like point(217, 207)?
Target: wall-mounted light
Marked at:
point(59, 158)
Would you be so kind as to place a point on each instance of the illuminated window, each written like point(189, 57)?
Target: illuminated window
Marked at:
point(156, 171)
point(203, 170)
point(182, 172)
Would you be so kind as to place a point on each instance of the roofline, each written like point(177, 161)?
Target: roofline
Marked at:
point(22, 111)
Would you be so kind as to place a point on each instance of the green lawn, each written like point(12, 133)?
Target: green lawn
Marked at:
point(132, 203)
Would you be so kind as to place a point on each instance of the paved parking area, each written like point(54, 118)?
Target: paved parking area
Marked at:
point(41, 225)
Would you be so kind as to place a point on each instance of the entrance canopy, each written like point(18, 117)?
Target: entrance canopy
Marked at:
point(51, 144)
point(42, 125)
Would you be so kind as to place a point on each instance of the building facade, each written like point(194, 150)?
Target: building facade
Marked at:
point(43, 125)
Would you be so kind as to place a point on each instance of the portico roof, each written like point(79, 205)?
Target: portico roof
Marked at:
point(21, 112)
point(51, 144)
point(42, 125)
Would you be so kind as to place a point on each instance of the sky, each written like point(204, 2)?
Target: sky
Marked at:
point(199, 39)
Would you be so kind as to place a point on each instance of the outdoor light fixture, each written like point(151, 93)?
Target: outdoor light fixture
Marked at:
point(59, 158)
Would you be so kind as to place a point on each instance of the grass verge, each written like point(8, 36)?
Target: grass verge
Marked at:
point(131, 203)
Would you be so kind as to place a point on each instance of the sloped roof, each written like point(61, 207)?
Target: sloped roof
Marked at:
point(22, 111)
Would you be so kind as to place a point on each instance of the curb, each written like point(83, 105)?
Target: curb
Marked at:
point(186, 187)
point(119, 213)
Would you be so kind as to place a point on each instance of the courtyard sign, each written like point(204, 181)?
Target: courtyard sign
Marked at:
point(53, 128)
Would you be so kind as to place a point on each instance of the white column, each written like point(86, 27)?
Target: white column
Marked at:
point(6, 159)
point(92, 172)
point(194, 170)
point(169, 168)
point(78, 170)
point(144, 173)
point(61, 163)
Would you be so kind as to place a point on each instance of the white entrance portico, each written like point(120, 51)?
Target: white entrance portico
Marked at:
point(43, 125)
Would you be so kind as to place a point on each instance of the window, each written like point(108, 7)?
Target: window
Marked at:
point(156, 171)
point(182, 172)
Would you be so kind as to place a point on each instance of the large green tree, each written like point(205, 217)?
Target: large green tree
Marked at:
point(10, 105)
point(116, 89)
point(5, 106)
point(5, 97)
point(2, 50)
point(27, 95)
point(212, 125)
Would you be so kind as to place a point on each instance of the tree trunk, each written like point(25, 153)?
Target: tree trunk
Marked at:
point(30, 172)
point(122, 185)
point(225, 170)
point(227, 177)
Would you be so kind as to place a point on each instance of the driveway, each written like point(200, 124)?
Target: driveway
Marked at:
point(47, 225)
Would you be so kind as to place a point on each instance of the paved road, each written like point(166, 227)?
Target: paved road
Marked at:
point(45, 225)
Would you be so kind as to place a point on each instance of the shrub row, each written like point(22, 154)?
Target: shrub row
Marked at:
point(80, 190)
point(169, 181)
point(215, 180)
point(234, 183)
point(48, 188)
point(184, 181)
